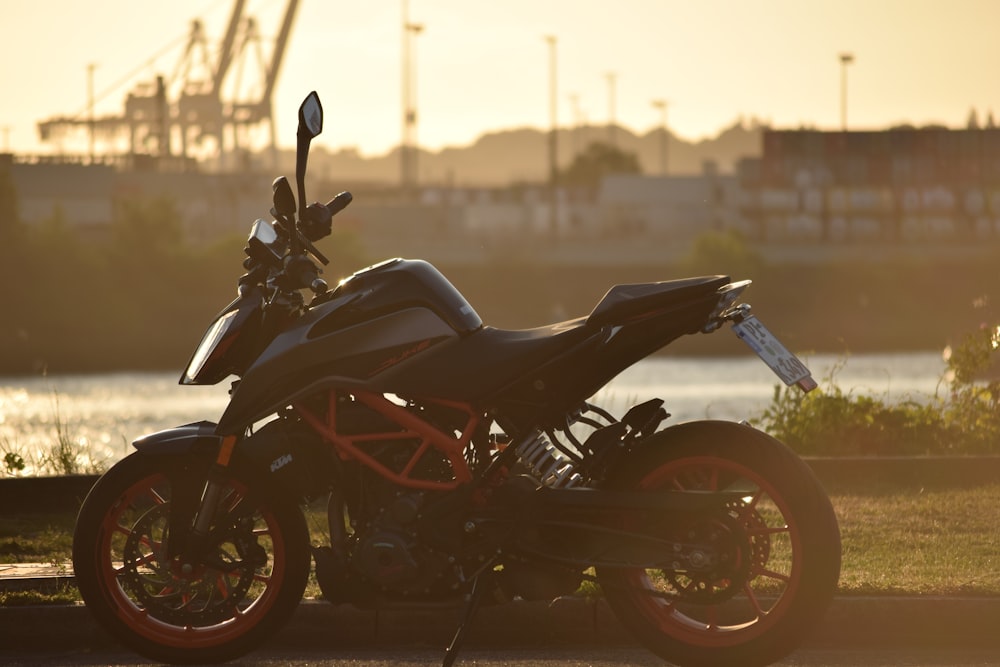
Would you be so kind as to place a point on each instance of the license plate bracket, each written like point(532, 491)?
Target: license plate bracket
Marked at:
point(785, 365)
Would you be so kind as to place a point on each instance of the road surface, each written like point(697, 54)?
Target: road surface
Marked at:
point(610, 657)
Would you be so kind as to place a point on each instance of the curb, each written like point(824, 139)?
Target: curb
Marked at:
point(850, 622)
point(66, 493)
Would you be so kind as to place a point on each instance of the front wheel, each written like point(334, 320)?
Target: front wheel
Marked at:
point(247, 585)
point(771, 558)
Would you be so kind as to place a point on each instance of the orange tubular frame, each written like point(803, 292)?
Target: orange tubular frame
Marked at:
point(348, 446)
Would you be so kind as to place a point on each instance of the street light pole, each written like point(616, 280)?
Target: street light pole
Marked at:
point(404, 136)
point(553, 141)
point(411, 117)
point(845, 60)
point(662, 106)
point(90, 107)
point(408, 147)
point(612, 136)
point(574, 101)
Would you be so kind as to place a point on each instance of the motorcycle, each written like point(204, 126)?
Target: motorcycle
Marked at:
point(450, 463)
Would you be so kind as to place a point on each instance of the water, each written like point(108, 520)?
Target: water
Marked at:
point(102, 414)
point(740, 388)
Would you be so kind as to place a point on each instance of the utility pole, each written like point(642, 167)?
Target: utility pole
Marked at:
point(408, 147)
point(90, 107)
point(662, 106)
point(612, 78)
point(553, 140)
point(574, 100)
point(845, 60)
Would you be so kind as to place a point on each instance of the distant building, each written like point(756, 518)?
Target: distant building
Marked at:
point(898, 185)
point(78, 194)
point(810, 192)
point(84, 196)
point(675, 207)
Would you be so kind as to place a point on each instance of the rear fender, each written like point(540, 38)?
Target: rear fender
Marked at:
point(696, 430)
point(623, 463)
point(704, 431)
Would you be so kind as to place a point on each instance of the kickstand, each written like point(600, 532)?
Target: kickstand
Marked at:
point(475, 597)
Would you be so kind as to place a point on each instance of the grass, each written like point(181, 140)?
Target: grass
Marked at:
point(67, 594)
point(896, 541)
point(36, 538)
point(937, 542)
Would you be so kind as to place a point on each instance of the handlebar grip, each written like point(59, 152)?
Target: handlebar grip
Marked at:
point(340, 202)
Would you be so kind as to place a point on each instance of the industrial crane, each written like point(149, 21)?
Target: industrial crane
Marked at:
point(152, 114)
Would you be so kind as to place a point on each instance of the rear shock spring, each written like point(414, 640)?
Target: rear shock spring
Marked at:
point(552, 467)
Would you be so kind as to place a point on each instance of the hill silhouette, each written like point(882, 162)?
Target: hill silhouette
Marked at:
point(521, 156)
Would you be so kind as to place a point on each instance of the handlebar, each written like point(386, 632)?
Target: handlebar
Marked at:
point(316, 222)
point(317, 219)
point(339, 203)
point(302, 273)
point(292, 267)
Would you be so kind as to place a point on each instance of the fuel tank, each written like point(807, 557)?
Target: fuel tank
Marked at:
point(358, 336)
point(401, 281)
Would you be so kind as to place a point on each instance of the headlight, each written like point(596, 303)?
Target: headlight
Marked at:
point(213, 345)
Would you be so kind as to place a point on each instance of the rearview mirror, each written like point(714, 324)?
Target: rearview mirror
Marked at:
point(311, 116)
point(284, 200)
point(310, 125)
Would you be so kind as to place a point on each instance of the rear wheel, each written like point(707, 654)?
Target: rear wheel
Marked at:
point(752, 580)
point(247, 586)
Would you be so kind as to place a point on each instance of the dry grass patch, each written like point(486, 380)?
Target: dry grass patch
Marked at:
point(921, 542)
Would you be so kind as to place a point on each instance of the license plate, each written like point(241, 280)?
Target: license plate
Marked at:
point(777, 357)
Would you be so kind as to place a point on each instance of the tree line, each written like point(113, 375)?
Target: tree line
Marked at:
point(138, 297)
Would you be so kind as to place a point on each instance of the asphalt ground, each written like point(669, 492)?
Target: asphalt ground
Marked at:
point(851, 622)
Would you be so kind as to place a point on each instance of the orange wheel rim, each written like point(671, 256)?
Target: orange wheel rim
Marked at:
point(774, 553)
point(155, 601)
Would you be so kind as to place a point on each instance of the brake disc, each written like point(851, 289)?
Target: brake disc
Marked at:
point(209, 593)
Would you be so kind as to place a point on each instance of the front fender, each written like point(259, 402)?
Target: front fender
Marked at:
point(194, 438)
point(186, 455)
point(282, 452)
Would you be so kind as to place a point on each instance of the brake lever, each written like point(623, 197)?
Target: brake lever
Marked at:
point(313, 250)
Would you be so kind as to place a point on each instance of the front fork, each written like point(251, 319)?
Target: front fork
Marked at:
point(193, 549)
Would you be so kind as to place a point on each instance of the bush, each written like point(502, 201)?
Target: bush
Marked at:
point(138, 299)
point(832, 422)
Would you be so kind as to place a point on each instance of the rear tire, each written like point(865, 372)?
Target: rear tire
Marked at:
point(210, 614)
point(782, 541)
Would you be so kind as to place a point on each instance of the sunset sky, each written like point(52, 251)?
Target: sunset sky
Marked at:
point(483, 66)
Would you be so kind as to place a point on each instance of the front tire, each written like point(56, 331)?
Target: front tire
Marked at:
point(210, 613)
point(779, 566)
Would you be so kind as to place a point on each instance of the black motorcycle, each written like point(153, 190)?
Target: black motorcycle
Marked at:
point(451, 462)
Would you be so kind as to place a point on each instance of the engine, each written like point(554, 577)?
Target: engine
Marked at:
point(404, 542)
point(387, 548)
point(389, 552)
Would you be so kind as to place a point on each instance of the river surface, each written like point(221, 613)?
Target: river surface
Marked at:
point(99, 415)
